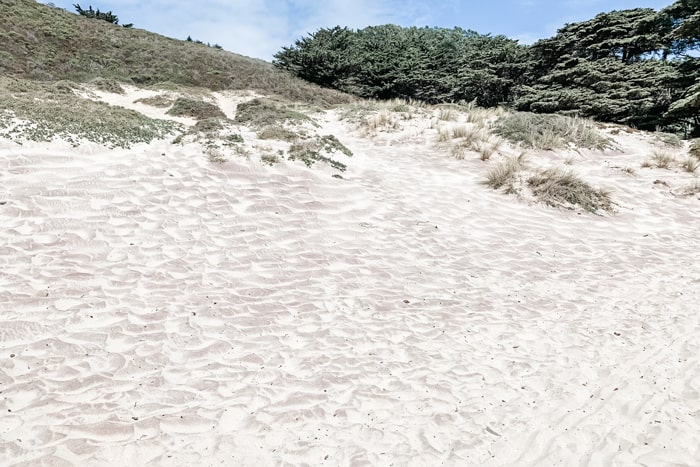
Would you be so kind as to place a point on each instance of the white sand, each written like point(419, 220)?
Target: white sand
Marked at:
point(156, 308)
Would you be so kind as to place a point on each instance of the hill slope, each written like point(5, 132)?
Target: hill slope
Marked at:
point(44, 43)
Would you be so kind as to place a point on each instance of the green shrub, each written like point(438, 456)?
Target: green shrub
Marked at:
point(159, 100)
point(199, 109)
point(277, 132)
point(259, 113)
point(107, 85)
point(319, 150)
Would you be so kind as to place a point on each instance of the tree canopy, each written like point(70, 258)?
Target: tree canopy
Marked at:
point(97, 14)
point(637, 66)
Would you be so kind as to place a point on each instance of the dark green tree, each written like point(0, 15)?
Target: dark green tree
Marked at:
point(684, 16)
point(430, 64)
point(623, 66)
point(97, 14)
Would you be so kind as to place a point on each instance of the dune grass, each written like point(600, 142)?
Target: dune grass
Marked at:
point(260, 112)
point(550, 132)
point(504, 174)
point(695, 148)
point(558, 187)
point(661, 160)
point(159, 100)
point(691, 164)
point(198, 109)
point(278, 132)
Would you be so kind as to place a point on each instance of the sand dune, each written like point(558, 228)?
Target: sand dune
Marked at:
point(157, 308)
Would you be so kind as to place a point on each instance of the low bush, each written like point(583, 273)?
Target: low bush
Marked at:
point(199, 109)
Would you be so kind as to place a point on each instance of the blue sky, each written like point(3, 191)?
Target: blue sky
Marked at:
point(259, 28)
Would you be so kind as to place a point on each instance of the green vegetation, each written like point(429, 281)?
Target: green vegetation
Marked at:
point(97, 14)
point(550, 132)
point(259, 113)
point(38, 111)
point(319, 150)
point(44, 43)
point(504, 174)
point(159, 100)
point(558, 187)
point(107, 85)
point(277, 132)
point(428, 64)
point(199, 109)
point(638, 67)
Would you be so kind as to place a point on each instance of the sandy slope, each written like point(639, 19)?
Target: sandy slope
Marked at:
point(158, 308)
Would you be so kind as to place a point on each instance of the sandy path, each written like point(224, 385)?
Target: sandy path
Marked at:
point(159, 308)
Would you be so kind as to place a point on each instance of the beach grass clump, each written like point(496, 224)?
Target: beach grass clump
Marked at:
point(504, 174)
point(550, 132)
point(208, 125)
point(691, 164)
point(40, 111)
point(195, 108)
point(161, 101)
point(661, 160)
point(381, 121)
point(277, 132)
point(447, 113)
point(108, 85)
point(261, 112)
point(559, 187)
point(694, 149)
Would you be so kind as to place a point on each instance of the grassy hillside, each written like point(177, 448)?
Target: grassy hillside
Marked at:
point(39, 42)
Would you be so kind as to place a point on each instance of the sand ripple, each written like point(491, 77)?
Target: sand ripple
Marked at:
point(403, 315)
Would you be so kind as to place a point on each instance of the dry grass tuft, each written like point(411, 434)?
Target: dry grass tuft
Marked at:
point(691, 164)
point(558, 187)
point(503, 175)
point(695, 148)
point(160, 101)
point(661, 160)
point(549, 132)
point(448, 114)
point(277, 132)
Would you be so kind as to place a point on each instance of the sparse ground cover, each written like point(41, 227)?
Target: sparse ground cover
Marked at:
point(261, 112)
point(38, 111)
point(321, 149)
point(194, 108)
